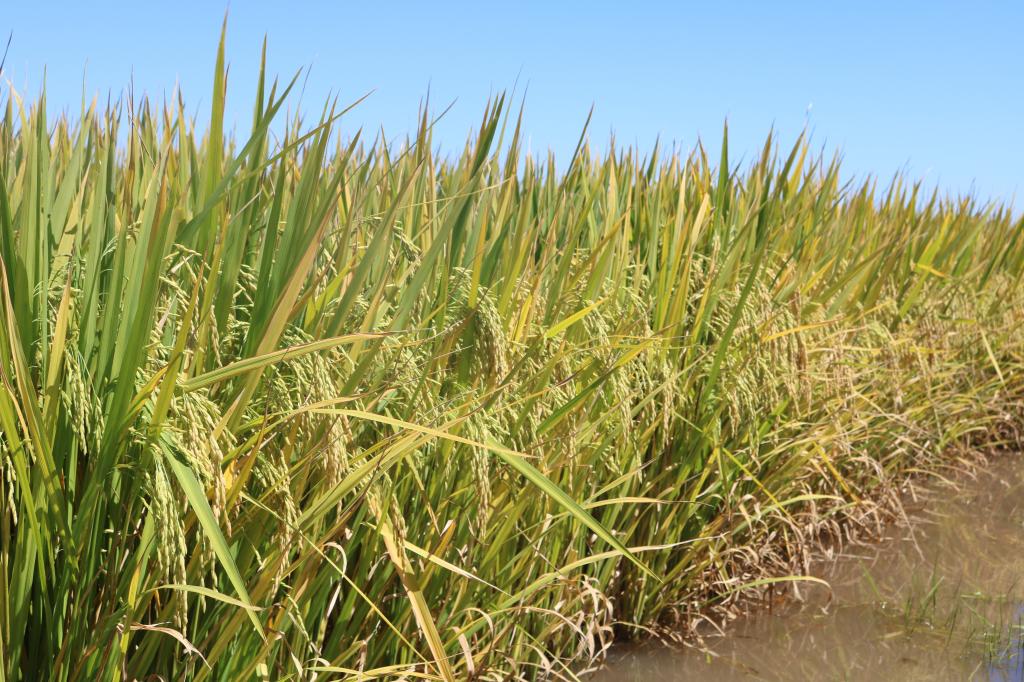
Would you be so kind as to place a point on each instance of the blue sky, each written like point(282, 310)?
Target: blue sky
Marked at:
point(935, 88)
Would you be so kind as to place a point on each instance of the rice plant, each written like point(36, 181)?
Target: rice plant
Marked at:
point(302, 405)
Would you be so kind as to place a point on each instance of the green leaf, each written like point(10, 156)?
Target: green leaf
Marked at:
point(201, 507)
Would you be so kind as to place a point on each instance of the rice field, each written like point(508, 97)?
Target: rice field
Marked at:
point(302, 406)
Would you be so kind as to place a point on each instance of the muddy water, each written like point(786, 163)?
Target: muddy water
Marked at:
point(940, 600)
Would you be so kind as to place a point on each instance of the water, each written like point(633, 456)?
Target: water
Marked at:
point(942, 599)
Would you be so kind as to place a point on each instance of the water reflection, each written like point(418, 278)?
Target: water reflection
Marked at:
point(943, 600)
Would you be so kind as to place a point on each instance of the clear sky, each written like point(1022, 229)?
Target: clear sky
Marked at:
point(936, 88)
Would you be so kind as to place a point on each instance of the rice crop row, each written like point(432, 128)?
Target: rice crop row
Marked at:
point(301, 405)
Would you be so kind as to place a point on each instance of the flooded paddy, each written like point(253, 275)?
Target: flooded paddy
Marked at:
point(942, 599)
